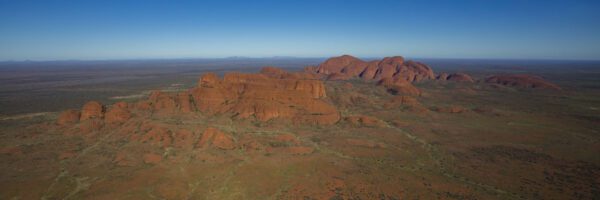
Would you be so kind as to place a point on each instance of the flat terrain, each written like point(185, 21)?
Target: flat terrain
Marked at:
point(458, 141)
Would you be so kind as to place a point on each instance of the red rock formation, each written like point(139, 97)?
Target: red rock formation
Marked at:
point(117, 115)
point(271, 94)
point(399, 86)
point(401, 101)
point(339, 64)
point(183, 138)
point(458, 77)
point(265, 98)
point(216, 138)
point(345, 67)
point(184, 102)
point(158, 136)
point(92, 109)
point(522, 81)
point(68, 117)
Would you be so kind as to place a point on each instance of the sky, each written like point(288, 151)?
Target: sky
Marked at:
point(152, 29)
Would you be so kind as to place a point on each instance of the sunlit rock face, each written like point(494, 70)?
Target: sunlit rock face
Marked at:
point(346, 67)
point(265, 96)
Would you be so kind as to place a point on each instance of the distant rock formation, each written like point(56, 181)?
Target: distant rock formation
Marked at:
point(457, 77)
point(521, 81)
point(346, 66)
point(394, 73)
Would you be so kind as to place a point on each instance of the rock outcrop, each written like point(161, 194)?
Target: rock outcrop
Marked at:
point(265, 97)
point(68, 117)
point(298, 97)
point(346, 66)
point(399, 86)
point(117, 115)
point(396, 74)
point(522, 81)
point(457, 77)
point(213, 137)
point(91, 110)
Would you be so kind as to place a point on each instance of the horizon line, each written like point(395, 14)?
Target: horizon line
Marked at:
point(288, 57)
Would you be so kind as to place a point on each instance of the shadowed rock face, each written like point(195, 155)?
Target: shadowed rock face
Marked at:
point(522, 81)
point(346, 66)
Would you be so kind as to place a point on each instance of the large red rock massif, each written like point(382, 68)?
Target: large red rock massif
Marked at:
point(271, 94)
point(396, 67)
point(394, 73)
point(265, 96)
point(522, 80)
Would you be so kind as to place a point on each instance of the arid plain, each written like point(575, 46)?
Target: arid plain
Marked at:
point(289, 128)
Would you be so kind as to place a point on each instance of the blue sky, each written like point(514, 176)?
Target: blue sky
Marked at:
point(89, 30)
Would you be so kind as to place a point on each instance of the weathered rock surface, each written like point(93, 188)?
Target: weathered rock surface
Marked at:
point(522, 81)
point(396, 73)
point(213, 137)
point(264, 98)
point(346, 66)
point(117, 115)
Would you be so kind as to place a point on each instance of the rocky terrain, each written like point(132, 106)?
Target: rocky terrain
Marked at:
point(345, 129)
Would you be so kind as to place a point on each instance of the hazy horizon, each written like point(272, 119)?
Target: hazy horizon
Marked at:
point(123, 30)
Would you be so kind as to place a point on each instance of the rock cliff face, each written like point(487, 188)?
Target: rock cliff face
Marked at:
point(522, 81)
point(265, 96)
